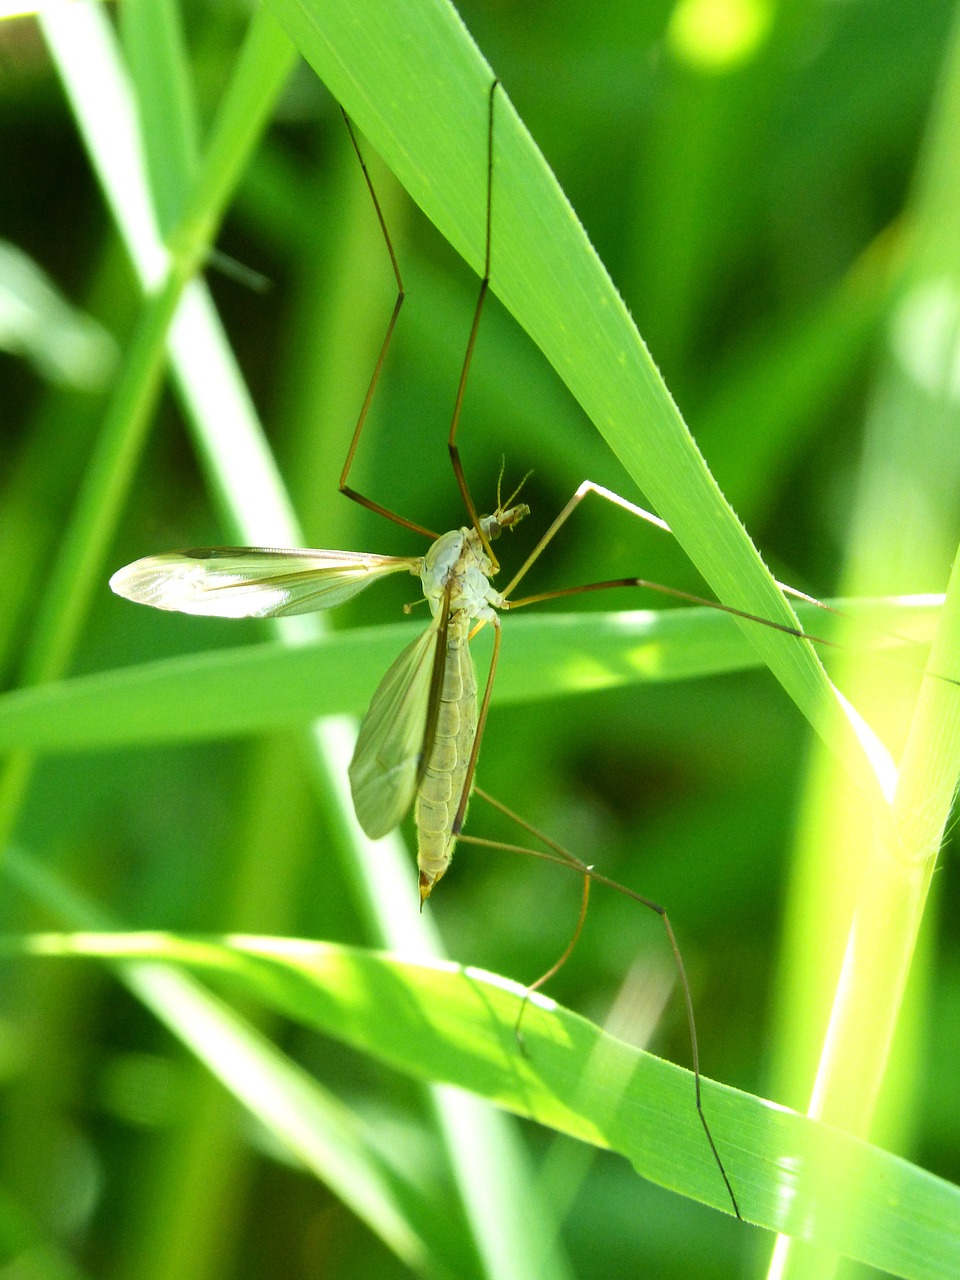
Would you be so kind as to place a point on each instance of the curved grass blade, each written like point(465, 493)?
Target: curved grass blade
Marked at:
point(253, 688)
point(457, 1024)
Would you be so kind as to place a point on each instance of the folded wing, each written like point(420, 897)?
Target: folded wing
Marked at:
point(386, 762)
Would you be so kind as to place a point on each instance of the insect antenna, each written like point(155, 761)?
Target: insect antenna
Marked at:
point(501, 505)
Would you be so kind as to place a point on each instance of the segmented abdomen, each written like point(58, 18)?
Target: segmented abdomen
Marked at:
point(441, 787)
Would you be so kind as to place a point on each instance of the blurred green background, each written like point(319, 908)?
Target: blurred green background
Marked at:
point(744, 185)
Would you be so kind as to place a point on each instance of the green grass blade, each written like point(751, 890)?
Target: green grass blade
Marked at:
point(262, 687)
point(64, 345)
point(153, 42)
point(108, 478)
point(263, 66)
point(458, 1024)
point(89, 67)
point(845, 1044)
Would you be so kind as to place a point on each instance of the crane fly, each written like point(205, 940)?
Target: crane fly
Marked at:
point(419, 741)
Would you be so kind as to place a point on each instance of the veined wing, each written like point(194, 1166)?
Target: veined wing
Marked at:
point(253, 582)
point(386, 763)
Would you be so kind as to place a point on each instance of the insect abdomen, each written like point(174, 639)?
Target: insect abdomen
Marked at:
point(441, 787)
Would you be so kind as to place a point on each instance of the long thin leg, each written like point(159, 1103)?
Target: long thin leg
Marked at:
point(557, 964)
point(564, 858)
point(677, 594)
point(471, 343)
point(689, 598)
point(797, 594)
point(588, 486)
point(609, 495)
point(345, 489)
point(462, 479)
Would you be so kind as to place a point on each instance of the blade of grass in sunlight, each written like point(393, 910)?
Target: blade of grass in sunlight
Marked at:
point(458, 1023)
point(156, 57)
point(840, 1007)
point(261, 687)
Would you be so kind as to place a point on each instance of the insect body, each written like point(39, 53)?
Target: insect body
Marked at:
point(420, 736)
point(456, 576)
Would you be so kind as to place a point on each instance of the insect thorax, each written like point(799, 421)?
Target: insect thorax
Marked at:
point(458, 558)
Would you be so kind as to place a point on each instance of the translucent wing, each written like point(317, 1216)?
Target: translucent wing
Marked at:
point(253, 582)
point(386, 762)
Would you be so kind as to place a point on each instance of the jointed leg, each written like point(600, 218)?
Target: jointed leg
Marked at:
point(563, 857)
point(471, 342)
point(609, 495)
point(587, 487)
point(345, 489)
point(688, 597)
